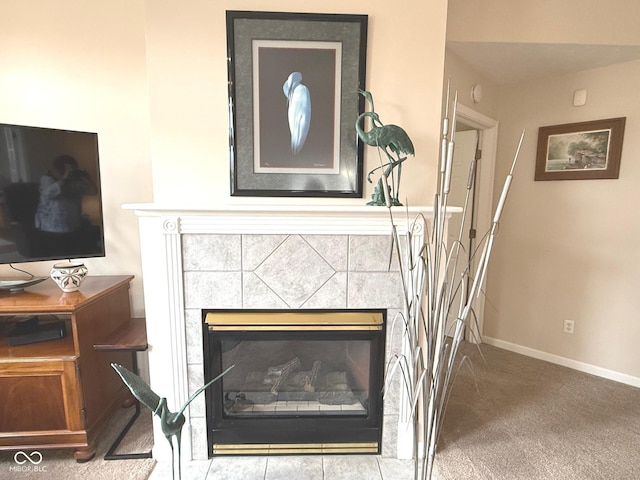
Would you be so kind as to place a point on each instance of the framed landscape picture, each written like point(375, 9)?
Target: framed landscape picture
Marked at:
point(293, 103)
point(580, 151)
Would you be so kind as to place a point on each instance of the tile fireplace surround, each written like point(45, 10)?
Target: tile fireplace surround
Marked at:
point(260, 257)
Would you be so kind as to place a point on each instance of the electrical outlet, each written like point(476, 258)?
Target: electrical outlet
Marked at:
point(568, 326)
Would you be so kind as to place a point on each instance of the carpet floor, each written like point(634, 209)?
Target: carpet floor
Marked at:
point(517, 418)
point(59, 464)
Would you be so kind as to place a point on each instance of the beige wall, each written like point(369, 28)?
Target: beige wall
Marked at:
point(461, 77)
point(569, 249)
point(545, 21)
point(566, 250)
point(188, 90)
point(151, 78)
point(81, 65)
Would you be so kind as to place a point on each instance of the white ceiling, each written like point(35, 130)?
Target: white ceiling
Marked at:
point(508, 63)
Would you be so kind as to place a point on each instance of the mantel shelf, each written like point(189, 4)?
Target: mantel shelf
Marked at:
point(285, 219)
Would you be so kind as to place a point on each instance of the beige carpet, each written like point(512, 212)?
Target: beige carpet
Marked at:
point(59, 464)
point(533, 420)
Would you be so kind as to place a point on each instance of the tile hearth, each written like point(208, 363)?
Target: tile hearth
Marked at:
point(330, 467)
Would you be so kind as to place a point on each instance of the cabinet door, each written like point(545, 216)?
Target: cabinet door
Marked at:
point(39, 396)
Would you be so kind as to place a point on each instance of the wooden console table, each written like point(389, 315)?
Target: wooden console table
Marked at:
point(62, 393)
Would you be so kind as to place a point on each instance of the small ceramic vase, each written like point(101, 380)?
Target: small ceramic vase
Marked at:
point(68, 275)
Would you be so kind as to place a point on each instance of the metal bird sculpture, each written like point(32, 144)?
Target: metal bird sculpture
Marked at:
point(298, 110)
point(170, 422)
point(396, 145)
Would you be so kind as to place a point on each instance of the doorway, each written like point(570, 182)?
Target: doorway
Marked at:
point(461, 227)
point(472, 128)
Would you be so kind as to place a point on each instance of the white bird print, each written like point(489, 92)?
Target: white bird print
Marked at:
point(299, 110)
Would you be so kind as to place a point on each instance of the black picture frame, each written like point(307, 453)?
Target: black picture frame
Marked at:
point(580, 151)
point(329, 50)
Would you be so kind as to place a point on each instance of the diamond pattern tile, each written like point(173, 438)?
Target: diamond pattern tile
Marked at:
point(333, 248)
point(255, 248)
point(294, 271)
point(256, 294)
point(332, 294)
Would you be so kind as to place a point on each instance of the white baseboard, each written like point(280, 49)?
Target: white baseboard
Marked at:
point(565, 362)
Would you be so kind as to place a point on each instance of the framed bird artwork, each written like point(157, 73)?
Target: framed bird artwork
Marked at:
point(293, 100)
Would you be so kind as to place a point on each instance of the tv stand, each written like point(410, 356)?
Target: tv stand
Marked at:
point(62, 393)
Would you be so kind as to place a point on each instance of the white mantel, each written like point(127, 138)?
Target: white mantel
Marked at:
point(311, 219)
point(171, 326)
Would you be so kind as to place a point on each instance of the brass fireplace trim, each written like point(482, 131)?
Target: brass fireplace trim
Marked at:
point(293, 448)
point(278, 321)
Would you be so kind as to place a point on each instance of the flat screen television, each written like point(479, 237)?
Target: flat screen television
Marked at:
point(50, 195)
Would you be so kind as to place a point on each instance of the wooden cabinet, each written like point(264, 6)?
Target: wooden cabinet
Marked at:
point(62, 393)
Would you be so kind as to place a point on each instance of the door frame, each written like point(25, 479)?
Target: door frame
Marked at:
point(488, 143)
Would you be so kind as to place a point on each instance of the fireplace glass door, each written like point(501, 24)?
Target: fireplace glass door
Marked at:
point(298, 378)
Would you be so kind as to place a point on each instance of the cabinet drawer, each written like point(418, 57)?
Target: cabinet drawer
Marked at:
point(39, 396)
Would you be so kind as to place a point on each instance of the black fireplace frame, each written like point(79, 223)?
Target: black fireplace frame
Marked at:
point(294, 433)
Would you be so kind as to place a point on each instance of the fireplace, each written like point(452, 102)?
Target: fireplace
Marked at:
point(302, 382)
point(268, 257)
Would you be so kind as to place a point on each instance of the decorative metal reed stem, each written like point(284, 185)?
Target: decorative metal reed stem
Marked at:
point(428, 362)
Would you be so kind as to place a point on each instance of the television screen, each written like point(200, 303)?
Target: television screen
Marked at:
point(50, 197)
